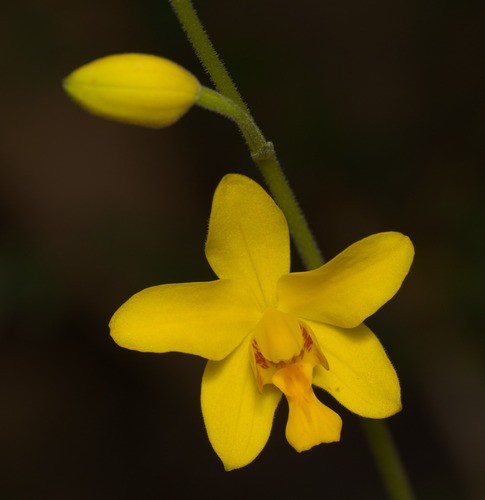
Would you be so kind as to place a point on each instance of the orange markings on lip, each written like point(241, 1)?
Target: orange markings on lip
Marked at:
point(258, 357)
point(308, 342)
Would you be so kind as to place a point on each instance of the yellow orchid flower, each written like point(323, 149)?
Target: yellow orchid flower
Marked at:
point(268, 332)
point(140, 89)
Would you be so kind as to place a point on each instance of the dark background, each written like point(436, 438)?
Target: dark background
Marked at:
point(376, 111)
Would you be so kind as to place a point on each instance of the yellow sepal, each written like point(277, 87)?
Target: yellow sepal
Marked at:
point(207, 319)
point(361, 377)
point(238, 418)
point(248, 239)
point(353, 285)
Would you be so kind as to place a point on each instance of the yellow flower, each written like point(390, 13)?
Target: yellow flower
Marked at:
point(134, 88)
point(267, 332)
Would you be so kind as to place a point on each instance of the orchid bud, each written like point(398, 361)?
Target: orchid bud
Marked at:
point(134, 88)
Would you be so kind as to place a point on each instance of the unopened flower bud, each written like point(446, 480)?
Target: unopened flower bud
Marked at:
point(134, 88)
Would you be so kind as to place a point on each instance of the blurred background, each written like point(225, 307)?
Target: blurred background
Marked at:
point(376, 110)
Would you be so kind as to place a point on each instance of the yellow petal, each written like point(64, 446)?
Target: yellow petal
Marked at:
point(360, 375)
point(352, 286)
point(237, 417)
point(208, 319)
point(248, 238)
point(309, 421)
point(134, 88)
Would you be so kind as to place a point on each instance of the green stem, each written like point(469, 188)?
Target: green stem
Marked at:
point(205, 51)
point(387, 459)
point(214, 101)
point(231, 105)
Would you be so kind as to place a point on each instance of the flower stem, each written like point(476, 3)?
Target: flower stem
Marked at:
point(228, 102)
point(205, 51)
point(387, 459)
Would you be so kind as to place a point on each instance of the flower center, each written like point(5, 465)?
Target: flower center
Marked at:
point(284, 352)
point(281, 340)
